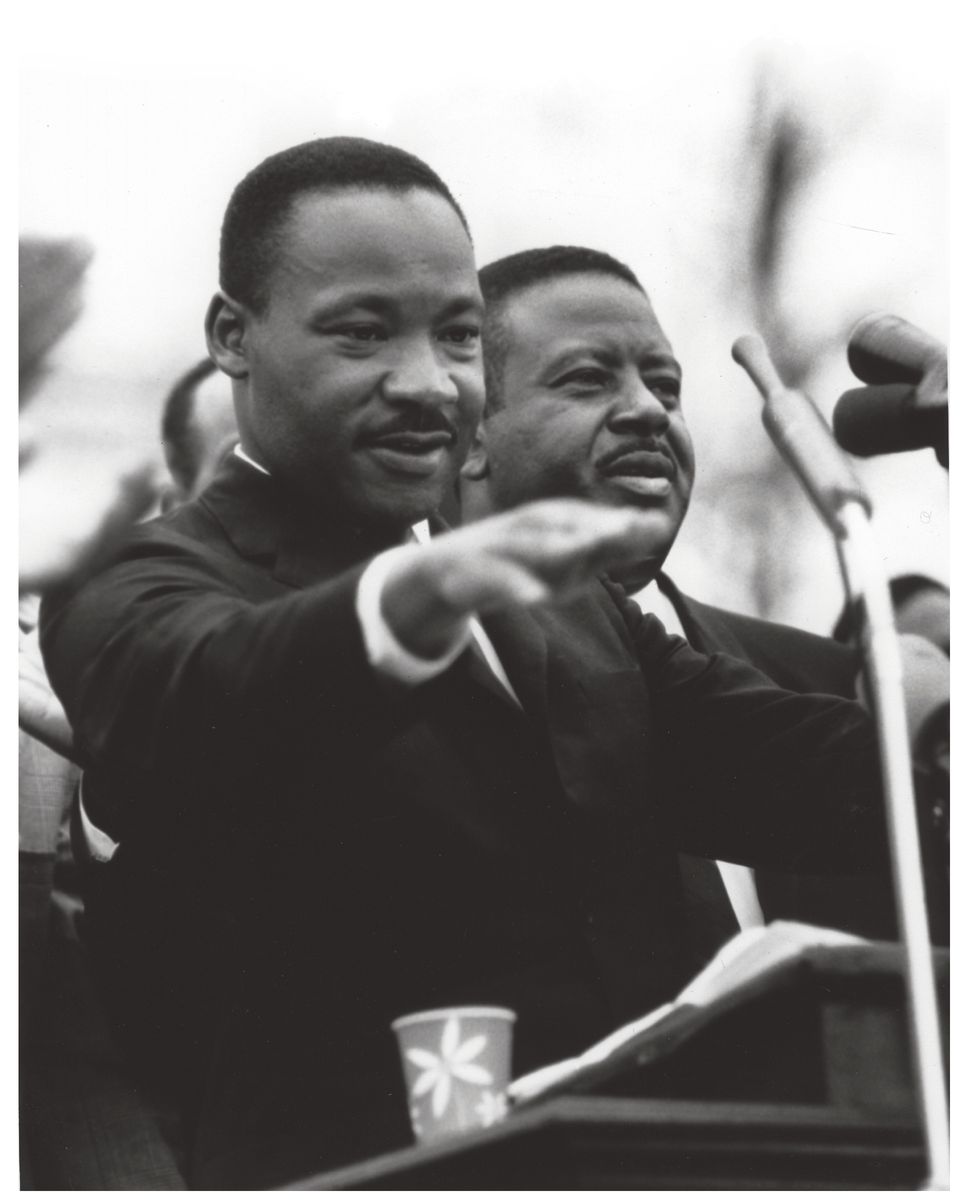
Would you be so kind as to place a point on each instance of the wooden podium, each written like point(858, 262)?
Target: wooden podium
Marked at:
point(800, 1079)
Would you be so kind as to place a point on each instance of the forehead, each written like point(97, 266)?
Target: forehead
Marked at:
point(583, 308)
point(373, 241)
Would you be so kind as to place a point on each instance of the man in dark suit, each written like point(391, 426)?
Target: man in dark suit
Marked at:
point(318, 793)
point(584, 400)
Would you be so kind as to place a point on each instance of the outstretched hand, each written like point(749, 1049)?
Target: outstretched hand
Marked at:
point(539, 551)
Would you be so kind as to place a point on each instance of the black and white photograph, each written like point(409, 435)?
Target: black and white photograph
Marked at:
point(484, 575)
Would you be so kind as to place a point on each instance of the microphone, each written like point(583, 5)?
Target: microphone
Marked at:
point(906, 403)
point(802, 436)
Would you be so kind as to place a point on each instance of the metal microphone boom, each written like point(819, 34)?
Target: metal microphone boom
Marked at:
point(801, 434)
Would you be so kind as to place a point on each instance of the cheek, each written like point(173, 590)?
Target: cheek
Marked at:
point(682, 446)
point(547, 456)
point(564, 447)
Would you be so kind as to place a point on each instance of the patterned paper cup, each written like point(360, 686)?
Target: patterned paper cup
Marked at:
point(456, 1063)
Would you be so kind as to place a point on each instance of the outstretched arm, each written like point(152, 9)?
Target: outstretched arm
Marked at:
point(756, 774)
point(532, 554)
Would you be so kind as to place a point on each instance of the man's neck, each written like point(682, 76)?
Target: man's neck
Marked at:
point(633, 578)
point(373, 538)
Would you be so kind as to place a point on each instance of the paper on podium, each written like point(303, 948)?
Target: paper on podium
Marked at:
point(743, 958)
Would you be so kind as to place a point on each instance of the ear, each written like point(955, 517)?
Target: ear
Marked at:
point(476, 466)
point(226, 329)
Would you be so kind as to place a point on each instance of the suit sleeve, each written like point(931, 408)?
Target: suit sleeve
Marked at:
point(164, 658)
point(758, 775)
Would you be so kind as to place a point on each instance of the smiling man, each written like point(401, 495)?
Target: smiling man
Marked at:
point(319, 794)
point(370, 351)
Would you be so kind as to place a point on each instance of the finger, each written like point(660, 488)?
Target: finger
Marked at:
point(491, 583)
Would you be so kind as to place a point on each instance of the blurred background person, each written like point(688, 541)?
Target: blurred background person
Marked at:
point(71, 512)
point(198, 428)
point(73, 508)
point(920, 606)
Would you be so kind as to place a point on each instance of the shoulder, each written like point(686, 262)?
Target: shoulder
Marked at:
point(796, 659)
point(180, 557)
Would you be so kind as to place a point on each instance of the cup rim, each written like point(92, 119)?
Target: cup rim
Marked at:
point(485, 1012)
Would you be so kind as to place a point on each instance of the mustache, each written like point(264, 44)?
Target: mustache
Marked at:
point(635, 446)
point(421, 421)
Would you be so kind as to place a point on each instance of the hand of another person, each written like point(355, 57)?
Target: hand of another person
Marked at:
point(524, 556)
point(40, 713)
point(72, 513)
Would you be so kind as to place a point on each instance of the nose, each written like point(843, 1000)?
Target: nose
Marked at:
point(639, 411)
point(420, 377)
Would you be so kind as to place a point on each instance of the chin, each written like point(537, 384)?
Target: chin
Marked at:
point(402, 509)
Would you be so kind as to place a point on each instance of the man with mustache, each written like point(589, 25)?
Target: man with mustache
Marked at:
point(318, 793)
point(584, 399)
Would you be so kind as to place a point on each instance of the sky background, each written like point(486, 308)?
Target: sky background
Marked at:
point(633, 128)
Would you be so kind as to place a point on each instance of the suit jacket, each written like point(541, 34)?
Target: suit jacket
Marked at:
point(796, 660)
point(307, 850)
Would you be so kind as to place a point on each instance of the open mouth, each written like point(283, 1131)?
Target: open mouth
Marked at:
point(413, 453)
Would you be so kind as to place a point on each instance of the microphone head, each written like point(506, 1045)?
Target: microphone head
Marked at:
point(880, 419)
point(884, 349)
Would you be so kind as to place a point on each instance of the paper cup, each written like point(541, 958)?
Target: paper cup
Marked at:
point(456, 1063)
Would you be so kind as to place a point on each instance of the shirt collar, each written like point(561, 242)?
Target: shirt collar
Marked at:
point(238, 451)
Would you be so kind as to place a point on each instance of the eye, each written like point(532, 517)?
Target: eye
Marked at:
point(667, 389)
point(362, 332)
point(586, 378)
point(461, 335)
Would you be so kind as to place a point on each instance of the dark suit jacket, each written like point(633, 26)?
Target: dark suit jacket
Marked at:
point(307, 851)
point(807, 663)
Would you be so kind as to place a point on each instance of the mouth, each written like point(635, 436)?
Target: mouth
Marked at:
point(647, 474)
point(411, 452)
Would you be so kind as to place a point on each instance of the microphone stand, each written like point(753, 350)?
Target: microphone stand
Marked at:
point(803, 438)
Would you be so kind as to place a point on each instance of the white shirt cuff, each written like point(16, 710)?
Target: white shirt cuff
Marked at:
point(385, 654)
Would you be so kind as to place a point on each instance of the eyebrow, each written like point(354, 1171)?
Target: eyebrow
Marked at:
point(608, 357)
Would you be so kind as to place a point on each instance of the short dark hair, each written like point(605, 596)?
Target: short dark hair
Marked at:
point(505, 278)
point(262, 201)
point(177, 430)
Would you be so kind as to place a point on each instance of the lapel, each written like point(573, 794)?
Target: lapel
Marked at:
point(591, 697)
point(521, 644)
point(266, 523)
point(705, 630)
